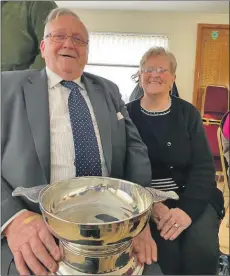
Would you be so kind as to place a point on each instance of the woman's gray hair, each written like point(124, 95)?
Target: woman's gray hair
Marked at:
point(159, 51)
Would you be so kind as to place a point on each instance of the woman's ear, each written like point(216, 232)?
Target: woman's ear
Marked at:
point(139, 79)
point(173, 80)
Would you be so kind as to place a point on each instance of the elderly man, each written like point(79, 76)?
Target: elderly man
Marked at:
point(50, 118)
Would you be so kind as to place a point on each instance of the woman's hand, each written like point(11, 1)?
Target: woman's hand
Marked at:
point(159, 210)
point(173, 223)
point(145, 247)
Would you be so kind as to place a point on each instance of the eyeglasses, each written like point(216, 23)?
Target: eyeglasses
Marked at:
point(61, 38)
point(159, 70)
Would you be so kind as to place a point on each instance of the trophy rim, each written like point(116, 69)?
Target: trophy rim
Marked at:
point(137, 216)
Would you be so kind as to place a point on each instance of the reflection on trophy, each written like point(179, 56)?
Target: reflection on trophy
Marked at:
point(95, 220)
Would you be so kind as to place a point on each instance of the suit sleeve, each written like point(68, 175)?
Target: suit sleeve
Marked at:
point(201, 182)
point(137, 165)
point(9, 205)
point(38, 14)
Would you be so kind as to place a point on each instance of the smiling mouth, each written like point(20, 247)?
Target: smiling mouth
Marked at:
point(154, 82)
point(68, 56)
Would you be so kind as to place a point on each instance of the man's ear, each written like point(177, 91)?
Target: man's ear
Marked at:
point(42, 48)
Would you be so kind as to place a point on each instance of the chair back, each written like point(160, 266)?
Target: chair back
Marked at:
point(216, 102)
point(211, 133)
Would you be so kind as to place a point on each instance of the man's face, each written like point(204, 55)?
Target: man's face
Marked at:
point(154, 82)
point(62, 56)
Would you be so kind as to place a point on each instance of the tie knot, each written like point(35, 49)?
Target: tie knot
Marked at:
point(69, 84)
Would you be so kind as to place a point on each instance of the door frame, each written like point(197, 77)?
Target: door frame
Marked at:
point(200, 28)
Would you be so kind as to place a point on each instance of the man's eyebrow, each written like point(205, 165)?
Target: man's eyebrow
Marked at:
point(64, 29)
point(77, 34)
point(59, 29)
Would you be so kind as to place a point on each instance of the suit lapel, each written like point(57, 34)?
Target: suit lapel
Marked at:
point(37, 106)
point(101, 111)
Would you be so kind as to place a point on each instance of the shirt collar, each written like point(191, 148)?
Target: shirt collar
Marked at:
point(54, 79)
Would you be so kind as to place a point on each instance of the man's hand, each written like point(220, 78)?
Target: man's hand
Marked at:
point(145, 247)
point(173, 223)
point(32, 244)
point(158, 211)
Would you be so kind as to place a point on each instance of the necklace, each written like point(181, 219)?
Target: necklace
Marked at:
point(157, 113)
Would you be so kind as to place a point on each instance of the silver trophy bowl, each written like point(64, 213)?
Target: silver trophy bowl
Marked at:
point(95, 220)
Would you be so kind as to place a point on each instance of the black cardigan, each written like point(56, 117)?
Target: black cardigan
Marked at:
point(186, 156)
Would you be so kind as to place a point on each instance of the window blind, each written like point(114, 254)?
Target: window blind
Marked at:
point(121, 48)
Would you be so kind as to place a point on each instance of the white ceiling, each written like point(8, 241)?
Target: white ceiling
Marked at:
point(218, 6)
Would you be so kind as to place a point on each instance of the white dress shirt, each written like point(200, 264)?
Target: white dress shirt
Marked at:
point(61, 137)
point(62, 151)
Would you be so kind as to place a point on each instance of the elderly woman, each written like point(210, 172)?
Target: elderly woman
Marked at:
point(186, 231)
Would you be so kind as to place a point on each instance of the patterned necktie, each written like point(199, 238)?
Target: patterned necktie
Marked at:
point(87, 156)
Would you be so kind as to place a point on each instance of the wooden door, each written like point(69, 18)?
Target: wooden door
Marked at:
point(212, 59)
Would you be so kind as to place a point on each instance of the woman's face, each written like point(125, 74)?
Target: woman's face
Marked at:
point(156, 76)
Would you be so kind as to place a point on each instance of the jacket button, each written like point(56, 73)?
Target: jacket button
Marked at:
point(169, 144)
point(171, 167)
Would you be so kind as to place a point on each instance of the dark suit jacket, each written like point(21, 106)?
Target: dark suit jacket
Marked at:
point(25, 135)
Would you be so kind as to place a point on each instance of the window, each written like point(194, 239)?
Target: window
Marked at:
point(116, 56)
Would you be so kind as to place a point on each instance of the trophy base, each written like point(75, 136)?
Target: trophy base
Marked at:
point(114, 259)
point(65, 269)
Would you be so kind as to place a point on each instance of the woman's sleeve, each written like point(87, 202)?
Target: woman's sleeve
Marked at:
point(201, 182)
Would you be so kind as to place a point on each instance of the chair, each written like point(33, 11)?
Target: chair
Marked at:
point(223, 163)
point(215, 104)
point(211, 133)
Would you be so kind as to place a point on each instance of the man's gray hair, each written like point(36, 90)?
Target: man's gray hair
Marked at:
point(159, 51)
point(55, 13)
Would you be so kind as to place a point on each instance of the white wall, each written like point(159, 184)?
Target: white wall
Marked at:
point(180, 27)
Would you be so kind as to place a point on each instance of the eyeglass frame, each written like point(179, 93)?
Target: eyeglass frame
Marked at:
point(150, 70)
point(82, 42)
